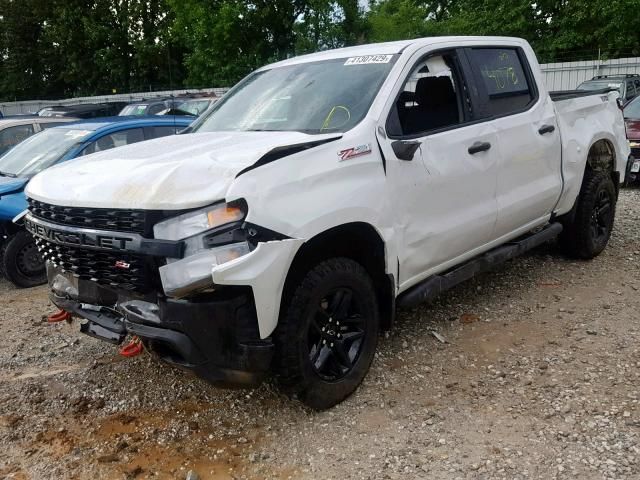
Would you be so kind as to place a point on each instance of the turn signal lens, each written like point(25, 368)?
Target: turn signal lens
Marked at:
point(224, 214)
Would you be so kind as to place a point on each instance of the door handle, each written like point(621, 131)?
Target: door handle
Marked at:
point(546, 129)
point(479, 147)
point(405, 149)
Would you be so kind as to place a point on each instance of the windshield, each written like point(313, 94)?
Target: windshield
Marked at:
point(328, 96)
point(599, 85)
point(133, 110)
point(40, 151)
point(632, 110)
point(194, 107)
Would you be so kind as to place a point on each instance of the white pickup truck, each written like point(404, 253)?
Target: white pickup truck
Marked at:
point(281, 231)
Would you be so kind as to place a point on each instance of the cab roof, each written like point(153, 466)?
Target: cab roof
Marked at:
point(390, 48)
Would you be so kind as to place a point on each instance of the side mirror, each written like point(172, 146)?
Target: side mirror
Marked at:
point(405, 149)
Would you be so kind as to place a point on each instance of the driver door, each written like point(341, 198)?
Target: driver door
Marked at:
point(442, 169)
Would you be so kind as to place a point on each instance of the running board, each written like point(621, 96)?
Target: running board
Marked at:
point(435, 285)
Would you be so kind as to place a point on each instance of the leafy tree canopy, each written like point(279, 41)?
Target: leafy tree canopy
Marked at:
point(56, 48)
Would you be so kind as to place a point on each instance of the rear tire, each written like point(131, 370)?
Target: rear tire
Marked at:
point(22, 264)
point(587, 234)
point(327, 337)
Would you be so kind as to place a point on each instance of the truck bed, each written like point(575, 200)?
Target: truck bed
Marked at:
point(567, 94)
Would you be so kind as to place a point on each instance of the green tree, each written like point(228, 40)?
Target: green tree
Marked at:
point(226, 39)
point(23, 71)
point(106, 45)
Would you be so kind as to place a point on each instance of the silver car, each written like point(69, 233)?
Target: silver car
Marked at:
point(16, 129)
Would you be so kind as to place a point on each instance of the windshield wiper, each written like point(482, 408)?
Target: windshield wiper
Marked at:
point(7, 174)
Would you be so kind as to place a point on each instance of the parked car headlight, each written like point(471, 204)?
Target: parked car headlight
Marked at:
point(634, 143)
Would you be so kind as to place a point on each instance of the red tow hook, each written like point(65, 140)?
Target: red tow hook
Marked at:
point(59, 317)
point(133, 348)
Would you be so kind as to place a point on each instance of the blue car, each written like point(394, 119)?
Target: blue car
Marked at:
point(20, 261)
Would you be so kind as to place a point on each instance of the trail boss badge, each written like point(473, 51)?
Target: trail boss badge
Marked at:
point(353, 152)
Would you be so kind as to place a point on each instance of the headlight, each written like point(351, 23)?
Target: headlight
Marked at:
point(193, 272)
point(199, 221)
point(634, 143)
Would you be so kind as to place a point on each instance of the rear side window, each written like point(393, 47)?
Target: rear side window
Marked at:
point(503, 77)
point(631, 91)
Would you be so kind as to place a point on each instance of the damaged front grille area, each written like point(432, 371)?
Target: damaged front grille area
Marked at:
point(126, 221)
point(120, 270)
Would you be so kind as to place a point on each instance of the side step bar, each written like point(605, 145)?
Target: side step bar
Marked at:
point(435, 285)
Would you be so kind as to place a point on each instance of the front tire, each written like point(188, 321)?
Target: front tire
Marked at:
point(328, 335)
point(22, 264)
point(588, 233)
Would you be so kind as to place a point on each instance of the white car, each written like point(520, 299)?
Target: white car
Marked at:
point(280, 233)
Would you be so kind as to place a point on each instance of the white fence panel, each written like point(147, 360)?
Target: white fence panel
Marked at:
point(568, 75)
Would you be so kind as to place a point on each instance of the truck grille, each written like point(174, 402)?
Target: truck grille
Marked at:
point(119, 270)
point(128, 221)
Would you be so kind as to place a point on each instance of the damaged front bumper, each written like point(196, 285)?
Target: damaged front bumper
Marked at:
point(213, 335)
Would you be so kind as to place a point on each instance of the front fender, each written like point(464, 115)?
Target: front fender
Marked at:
point(12, 205)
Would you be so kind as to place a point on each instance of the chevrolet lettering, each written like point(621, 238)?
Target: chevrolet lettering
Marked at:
point(77, 238)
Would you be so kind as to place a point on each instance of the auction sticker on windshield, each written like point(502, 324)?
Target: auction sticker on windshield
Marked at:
point(368, 59)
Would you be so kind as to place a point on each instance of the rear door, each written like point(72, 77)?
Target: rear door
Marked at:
point(441, 166)
point(529, 176)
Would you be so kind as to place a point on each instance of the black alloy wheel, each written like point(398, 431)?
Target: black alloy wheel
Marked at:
point(337, 334)
point(601, 217)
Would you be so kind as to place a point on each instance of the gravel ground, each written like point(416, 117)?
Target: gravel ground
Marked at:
point(538, 378)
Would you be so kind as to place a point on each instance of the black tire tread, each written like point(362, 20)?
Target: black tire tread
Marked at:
point(288, 370)
point(6, 264)
point(575, 240)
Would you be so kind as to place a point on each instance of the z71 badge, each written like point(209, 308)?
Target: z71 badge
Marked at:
point(353, 152)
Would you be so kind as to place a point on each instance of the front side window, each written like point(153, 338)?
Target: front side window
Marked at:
point(156, 108)
point(431, 98)
point(113, 140)
point(501, 74)
point(12, 136)
point(157, 132)
point(316, 97)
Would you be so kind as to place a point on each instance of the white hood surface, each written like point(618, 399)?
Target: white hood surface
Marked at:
point(170, 173)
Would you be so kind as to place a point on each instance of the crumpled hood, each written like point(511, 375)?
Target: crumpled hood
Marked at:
point(11, 185)
point(170, 173)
